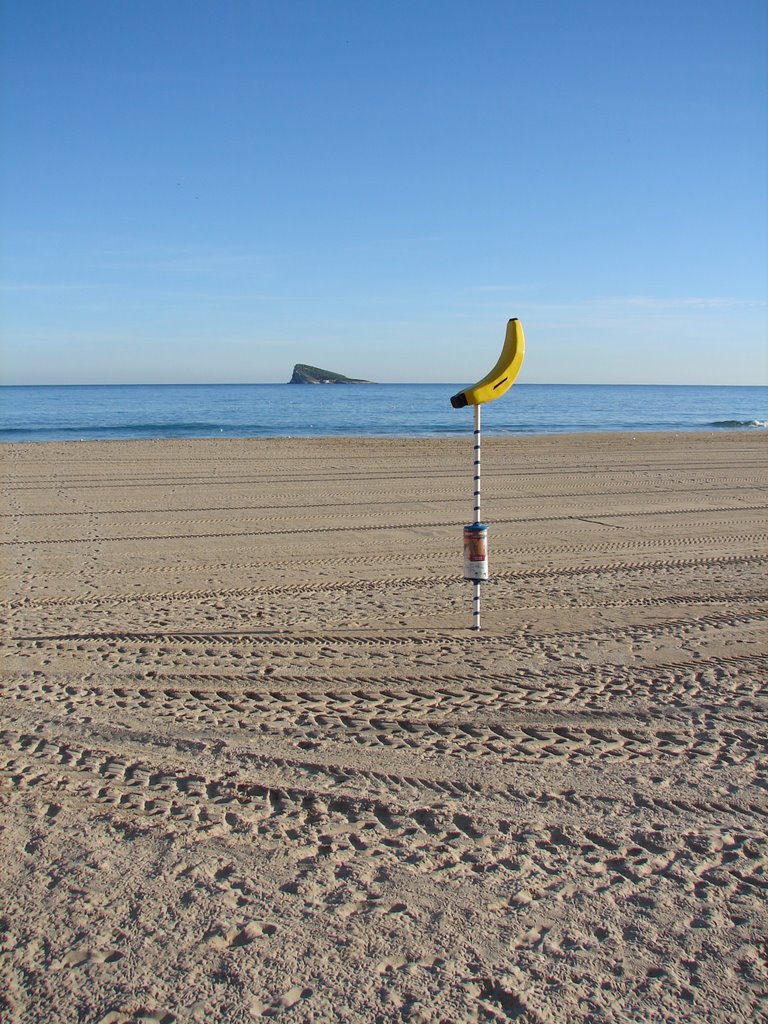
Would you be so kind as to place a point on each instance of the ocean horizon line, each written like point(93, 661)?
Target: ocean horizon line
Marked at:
point(375, 383)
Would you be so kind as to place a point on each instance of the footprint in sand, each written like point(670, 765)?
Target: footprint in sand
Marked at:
point(80, 955)
point(240, 935)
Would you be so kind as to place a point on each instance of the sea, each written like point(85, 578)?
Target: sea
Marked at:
point(155, 411)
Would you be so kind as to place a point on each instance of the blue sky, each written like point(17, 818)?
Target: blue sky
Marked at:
point(212, 191)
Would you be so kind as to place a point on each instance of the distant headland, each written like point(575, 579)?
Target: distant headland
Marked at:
point(303, 374)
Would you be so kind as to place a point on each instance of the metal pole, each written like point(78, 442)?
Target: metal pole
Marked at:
point(476, 601)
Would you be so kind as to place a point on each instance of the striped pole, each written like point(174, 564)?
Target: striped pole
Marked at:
point(476, 601)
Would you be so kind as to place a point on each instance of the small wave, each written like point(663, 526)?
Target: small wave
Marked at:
point(731, 424)
point(138, 427)
point(122, 431)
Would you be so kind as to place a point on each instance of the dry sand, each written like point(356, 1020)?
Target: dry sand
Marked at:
point(256, 766)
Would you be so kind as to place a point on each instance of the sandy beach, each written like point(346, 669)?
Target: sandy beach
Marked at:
point(256, 765)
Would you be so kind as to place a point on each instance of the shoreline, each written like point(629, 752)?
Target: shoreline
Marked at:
point(749, 430)
point(255, 763)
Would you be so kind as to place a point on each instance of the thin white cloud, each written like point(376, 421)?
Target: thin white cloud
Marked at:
point(181, 260)
point(636, 312)
point(694, 302)
point(512, 286)
point(41, 286)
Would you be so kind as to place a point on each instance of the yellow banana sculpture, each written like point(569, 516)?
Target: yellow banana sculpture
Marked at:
point(502, 376)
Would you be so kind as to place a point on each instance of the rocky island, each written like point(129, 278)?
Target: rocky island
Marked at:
point(304, 374)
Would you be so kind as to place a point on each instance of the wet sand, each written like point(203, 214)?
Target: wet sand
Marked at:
point(255, 764)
